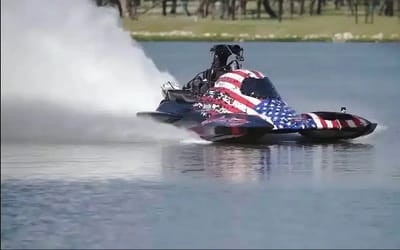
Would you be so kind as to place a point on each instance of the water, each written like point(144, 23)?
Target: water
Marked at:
point(98, 178)
point(187, 193)
point(178, 195)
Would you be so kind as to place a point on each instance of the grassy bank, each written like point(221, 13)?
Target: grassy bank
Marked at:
point(304, 28)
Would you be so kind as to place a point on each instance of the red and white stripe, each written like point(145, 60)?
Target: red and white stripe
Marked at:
point(355, 122)
point(317, 120)
point(229, 84)
point(249, 73)
point(360, 122)
point(236, 103)
point(232, 80)
point(321, 123)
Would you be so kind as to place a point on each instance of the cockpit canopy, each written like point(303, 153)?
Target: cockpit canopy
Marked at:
point(259, 88)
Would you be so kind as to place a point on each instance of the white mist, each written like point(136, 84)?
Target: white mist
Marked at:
point(69, 70)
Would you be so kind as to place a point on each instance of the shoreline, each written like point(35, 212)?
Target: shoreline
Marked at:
point(207, 37)
point(299, 29)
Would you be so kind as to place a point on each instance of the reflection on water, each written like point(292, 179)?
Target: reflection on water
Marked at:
point(176, 195)
point(265, 162)
point(287, 162)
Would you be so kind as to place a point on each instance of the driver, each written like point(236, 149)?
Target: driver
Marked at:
point(219, 66)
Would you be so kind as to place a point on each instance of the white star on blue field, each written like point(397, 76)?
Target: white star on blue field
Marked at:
point(282, 115)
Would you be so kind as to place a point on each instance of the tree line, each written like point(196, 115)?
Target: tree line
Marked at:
point(229, 9)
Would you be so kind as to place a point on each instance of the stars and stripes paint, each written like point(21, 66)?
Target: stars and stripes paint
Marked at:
point(226, 97)
point(352, 121)
point(281, 115)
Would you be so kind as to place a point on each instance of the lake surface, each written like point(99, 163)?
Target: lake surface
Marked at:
point(186, 193)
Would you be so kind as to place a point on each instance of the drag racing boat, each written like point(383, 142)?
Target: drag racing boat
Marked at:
point(229, 103)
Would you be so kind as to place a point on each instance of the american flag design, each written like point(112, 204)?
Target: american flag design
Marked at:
point(226, 97)
point(352, 122)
